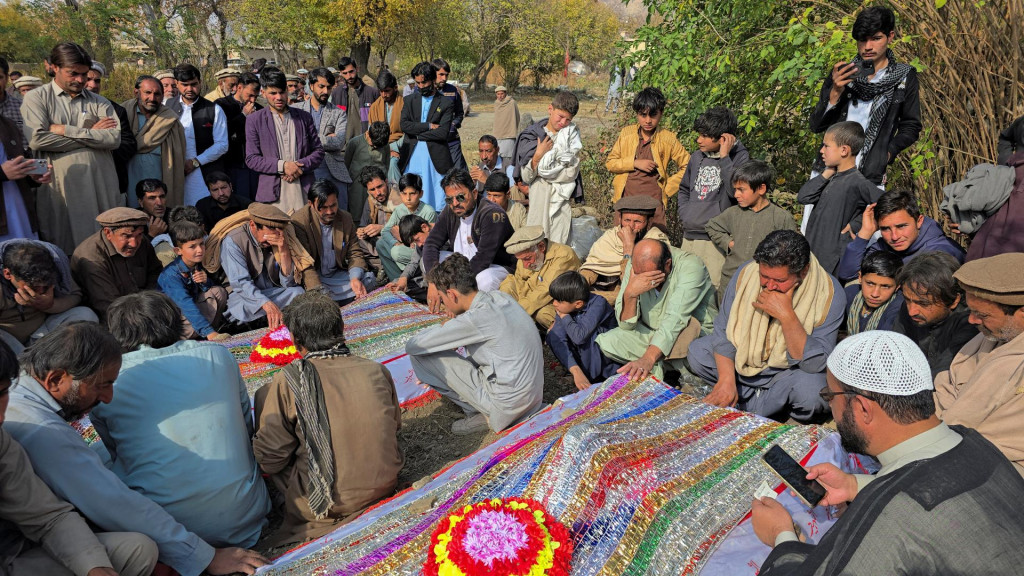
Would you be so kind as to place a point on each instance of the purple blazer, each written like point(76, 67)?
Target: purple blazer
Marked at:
point(261, 154)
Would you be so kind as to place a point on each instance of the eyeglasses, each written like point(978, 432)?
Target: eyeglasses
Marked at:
point(827, 395)
point(460, 198)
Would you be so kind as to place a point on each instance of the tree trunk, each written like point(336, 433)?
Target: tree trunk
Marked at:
point(360, 52)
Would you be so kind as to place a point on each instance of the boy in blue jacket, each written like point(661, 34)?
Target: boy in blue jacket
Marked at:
point(579, 317)
point(200, 299)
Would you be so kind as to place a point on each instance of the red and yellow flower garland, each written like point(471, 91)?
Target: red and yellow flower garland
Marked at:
point(276, 347)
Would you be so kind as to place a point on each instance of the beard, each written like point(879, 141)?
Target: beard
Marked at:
point(71, 403)
point(538, 263)
point(850, 436)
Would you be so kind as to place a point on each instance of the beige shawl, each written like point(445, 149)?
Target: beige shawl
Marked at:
point(162, 130)
point(605, 256)
point(506, 119)
point(301, 260)
point(757, 336)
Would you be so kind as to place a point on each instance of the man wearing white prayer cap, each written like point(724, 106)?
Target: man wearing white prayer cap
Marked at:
point(944, 501)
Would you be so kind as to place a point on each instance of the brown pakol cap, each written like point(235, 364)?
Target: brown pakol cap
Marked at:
point(997, 278)
point(267, 215)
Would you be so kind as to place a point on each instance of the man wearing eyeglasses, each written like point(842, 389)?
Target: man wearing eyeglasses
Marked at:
point(778, 323)
point(472, 226)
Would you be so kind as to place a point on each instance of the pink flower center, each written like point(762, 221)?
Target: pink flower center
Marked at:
point(494, 535)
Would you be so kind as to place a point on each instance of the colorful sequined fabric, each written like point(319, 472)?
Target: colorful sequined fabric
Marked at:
point(647, 480)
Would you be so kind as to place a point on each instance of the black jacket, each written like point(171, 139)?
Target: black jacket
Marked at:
point(125, 151)
point(900, 129)
point(234, 158)
point(415, 131)
point(940, 342)
point(491, 229)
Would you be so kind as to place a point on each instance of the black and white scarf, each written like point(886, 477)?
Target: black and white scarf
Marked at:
point(304, 383)
point(880, 94)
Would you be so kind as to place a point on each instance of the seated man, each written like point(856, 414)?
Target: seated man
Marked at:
point(376, 213)
point(780, 316)
point(473, 227)
point(152, 196)
point(610, 255)
point(66, 374)
point(540, 262)
point(904, 230)
point(197, 464)
point(934, 313)
point(666, 301)
point(38, 293)
point(982, 388)
point(262, 260)
point(326, 427)
point(44, 534)
point(500, 381)
point(222, 201)
point(115, 261)
point(945, 501)
point(497, 189)
point(329, 236)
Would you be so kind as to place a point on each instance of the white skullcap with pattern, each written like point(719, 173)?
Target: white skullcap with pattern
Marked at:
point(881, 361)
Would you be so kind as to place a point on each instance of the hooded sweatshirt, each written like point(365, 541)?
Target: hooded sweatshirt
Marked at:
point(706, 189)
point(930, 239)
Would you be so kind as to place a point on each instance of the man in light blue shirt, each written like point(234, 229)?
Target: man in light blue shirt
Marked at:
point(179, 429)
point(67, 373)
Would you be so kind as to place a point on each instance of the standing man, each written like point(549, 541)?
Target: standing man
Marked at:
point(452, 92)
point(885, 102)
point(426, 120)
point(160, 141)
point(206, 132)
point(227, 83)
point(237, 108)
point(76, 131)
point(10, 101)
point(124, 153)
point(282, 146)
point(388, 109)
point(331, 123)
point(354, 97)
point(506, 124)
point(166, 78)
point(295, 84)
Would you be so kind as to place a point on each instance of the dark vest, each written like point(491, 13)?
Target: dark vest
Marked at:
point(203, 115)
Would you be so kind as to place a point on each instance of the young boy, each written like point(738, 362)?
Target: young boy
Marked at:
point(201, 301)
point(839, 195)
point(393, 255)
point(737, 231)
point(497, 188)
point(580, 317)
point(412, 232)
point(874, 303)
point(547, 160)
point(642, 152)
point(221, 202)
point(706, 188)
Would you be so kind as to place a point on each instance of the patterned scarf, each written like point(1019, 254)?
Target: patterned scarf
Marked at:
point(853, 315)
point(304, 383)
point(880, 93)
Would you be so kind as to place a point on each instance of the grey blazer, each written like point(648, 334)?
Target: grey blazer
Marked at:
point(334, 146)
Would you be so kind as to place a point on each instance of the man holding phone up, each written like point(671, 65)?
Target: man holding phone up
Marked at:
point(875, 91)
point(945, 500)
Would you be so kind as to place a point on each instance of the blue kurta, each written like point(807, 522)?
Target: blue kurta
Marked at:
point(421, 164)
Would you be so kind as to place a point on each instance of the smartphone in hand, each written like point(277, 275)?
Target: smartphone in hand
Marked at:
point(40, 166)
point(865, 68)
point(794, 475)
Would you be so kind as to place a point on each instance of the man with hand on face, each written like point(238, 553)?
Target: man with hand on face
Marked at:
point(76, 131)
point(282, 145)
point(490, 162)
point(66, 374)
point(666, 301)
point(227, 83)
point(779, 319)
point(331, 124)
point(237, 108)
point(159, 140)
point(945, 501)
point(609, 256)
point(206, 132)
point(152, 198)
point(117, 260)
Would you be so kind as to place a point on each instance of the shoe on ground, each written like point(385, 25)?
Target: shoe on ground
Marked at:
point(470, 425)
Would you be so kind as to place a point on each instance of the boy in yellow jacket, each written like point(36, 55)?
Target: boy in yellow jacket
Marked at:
point(642, 153)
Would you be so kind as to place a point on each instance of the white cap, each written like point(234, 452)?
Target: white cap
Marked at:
point(881, 361)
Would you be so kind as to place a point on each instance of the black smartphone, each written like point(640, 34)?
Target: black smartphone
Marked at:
point(794, 475)
point(865, 68)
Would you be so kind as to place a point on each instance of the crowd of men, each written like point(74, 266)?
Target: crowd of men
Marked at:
point(133, 232)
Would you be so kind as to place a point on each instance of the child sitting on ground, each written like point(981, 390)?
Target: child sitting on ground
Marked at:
point(199, 298)
point(875, 303)
point(553, 169)
point(412, 231)
point(737, 231)
point(839, 195)
point(496, 187)
point(579, 317)
point(394, 255)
